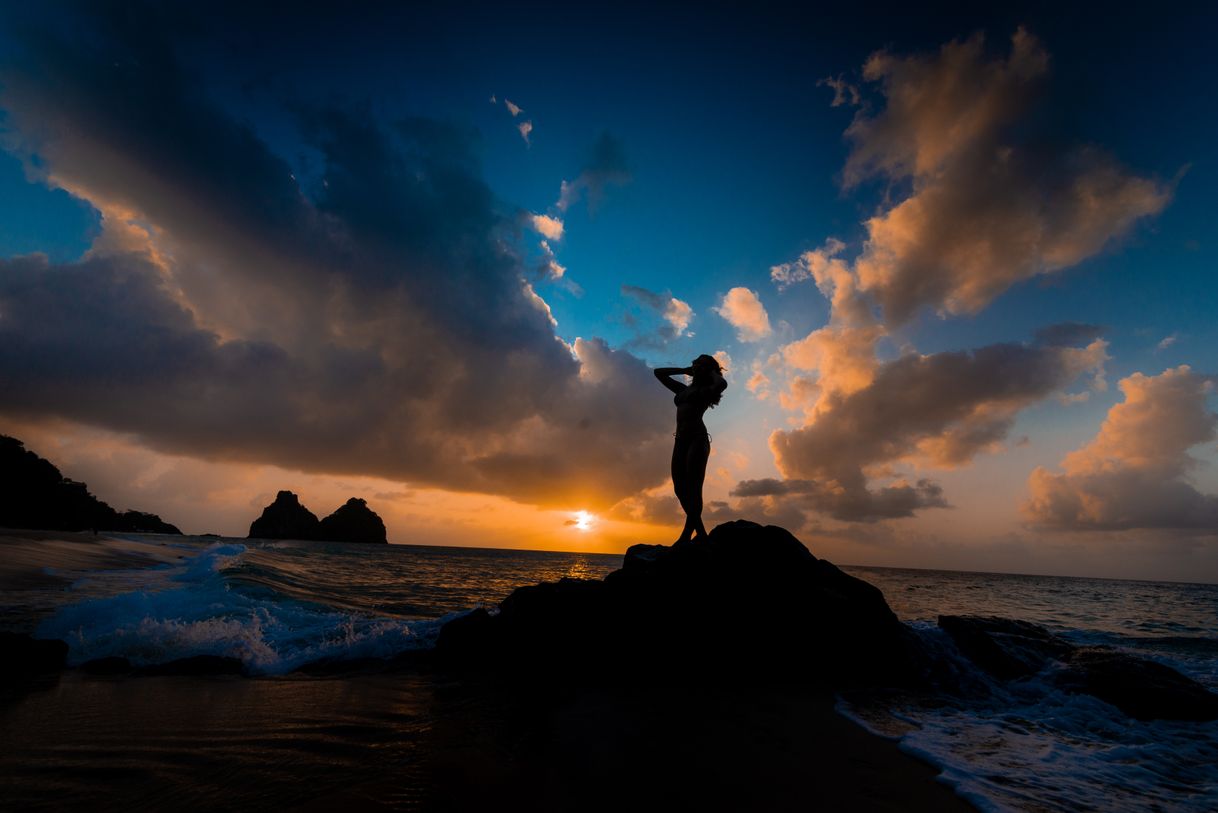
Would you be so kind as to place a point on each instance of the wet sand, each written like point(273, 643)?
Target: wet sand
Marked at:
point(414, 741)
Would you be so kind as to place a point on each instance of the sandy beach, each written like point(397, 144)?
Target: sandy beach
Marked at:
point(417, 741)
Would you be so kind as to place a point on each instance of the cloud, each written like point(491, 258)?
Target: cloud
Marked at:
point(843, 92)
point(743, 310)
point(606, 166)
point(940, 410)
point(525, 128)
point(842, 353)
point(989, 206)
point(514, 109)
point(548, 227)
point(1167, 341)
point(1066, 334)
point(378, 323)
point(676, 315)
point(1134, 472)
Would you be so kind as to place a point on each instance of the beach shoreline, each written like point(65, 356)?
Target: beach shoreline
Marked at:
point(414, 740)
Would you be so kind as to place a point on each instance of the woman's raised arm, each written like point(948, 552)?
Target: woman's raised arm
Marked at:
point(663, 373)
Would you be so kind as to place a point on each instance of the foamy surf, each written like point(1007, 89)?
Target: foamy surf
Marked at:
point(1028, 745)
point(192, 609)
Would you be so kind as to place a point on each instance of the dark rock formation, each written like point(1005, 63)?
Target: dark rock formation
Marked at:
point(1141, 688)
point(1010, 649)
point(33, 494)
point(353, 522)
point(748, 603)
point(285, 518)
point(196, 665)
point(23, 657)
point(1004, 647)
point(112, 665)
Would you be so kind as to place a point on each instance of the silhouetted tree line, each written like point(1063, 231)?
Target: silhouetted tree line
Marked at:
point(34, 494)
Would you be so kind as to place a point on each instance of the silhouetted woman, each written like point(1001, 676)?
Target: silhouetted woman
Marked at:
point(691, 447)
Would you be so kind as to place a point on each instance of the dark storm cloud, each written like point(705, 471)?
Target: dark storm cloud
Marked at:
point(377, 324)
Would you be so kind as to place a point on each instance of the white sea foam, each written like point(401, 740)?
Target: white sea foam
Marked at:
point(192, 610)
point(1028, 745)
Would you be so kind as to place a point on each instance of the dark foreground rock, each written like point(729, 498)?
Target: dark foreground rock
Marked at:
point(353, 522)
point(23, 657)
point(749, 602)
point(285, 518)
point(1143, 689)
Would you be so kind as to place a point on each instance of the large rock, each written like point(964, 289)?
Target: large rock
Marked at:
point(353, 522)
point(1004, 647)
point(747, 603)
point(1010, 649)
point(285, 518)
point(1141, 688)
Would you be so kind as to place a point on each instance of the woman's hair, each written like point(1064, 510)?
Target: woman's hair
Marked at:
point(709, 363)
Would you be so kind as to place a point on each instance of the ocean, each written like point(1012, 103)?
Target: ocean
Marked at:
point(1025, 746)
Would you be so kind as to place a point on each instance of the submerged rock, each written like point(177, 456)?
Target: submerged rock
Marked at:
point(196, 665)
point(1009, 649)
point(747, 603)
point(285, 518)
point(1141, 688)
point(1004, 647)
point(353, 522)
point(23, 657)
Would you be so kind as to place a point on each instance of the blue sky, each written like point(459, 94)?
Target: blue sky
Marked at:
point(736, 161)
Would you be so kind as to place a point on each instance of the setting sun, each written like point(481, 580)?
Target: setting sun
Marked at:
point(582, 521)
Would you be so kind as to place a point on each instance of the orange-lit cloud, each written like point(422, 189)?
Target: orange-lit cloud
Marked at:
point(986, 210)
point(549, 227)
point(743, 310)
point(1134, 472)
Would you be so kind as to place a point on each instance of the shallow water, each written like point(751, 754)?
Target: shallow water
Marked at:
point(278, 605)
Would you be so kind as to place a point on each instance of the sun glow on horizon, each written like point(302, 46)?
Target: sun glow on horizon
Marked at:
point(583, 521)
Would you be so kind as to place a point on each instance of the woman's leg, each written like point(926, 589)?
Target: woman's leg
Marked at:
point(680, 485)
point(695, 474)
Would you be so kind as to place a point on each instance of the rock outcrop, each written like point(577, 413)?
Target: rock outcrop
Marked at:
point(747, 603)
point(34, 494)
point(285, 518)
point(353, 522)
point(23, 657)
point(1143, 689)
point(1004, 647)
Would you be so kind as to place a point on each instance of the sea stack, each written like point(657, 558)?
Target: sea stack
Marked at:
point(353, 522)
point(285, 518)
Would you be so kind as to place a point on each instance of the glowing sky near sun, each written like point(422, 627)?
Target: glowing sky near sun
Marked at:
point(959, 268)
